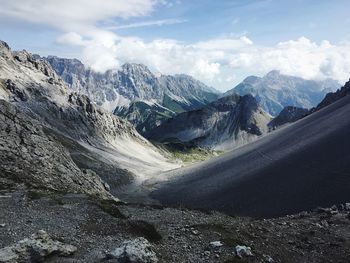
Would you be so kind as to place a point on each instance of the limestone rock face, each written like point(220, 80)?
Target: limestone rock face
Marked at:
point(30, 156)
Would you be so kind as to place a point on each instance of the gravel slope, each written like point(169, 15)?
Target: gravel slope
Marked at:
point(299, 167)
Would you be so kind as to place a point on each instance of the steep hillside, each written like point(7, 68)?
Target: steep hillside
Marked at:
point(301, 166)
point(334, 96)
point(275, 91)
point(30, 156)
point(224, 124)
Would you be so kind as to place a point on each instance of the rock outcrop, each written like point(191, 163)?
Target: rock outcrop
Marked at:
point(30, 156)
point(334, 96)
point(289, 114)
point(138, 250)
point(35, 249)
point(224, 124)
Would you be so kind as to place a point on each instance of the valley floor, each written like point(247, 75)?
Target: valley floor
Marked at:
point(176, 234)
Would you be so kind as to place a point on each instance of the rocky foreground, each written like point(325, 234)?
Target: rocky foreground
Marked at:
point(37, 226)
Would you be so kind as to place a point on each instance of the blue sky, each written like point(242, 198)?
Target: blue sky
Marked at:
point(218, 42)
point(266, 21)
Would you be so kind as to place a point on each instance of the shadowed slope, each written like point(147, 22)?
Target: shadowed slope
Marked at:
point(299, 167)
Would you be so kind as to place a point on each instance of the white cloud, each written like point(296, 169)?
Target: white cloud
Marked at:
point(300, 57)
point(71, 38)
point(213, 61)
point(74, 15)
point(148, 23)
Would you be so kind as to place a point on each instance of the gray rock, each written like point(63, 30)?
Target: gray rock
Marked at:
point(138, 250)
point(35, 249)
point(347, 206)
point(216, 244)
point(268, 259)
point(243, 251)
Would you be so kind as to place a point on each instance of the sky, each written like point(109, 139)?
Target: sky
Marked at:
point(218, 42)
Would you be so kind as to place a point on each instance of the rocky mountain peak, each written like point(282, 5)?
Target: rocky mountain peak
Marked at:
point(134, 68)
point(4, 45)
point(5, 50)
point(273, 74)
point(62, 64)
point(251, 80)
point(275, 91)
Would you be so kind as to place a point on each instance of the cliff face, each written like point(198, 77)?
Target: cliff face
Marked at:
point(30, 156)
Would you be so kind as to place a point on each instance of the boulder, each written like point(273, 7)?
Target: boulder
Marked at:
point(138, 250)
point(216, 244)
point(243, 251)
point(35, 249)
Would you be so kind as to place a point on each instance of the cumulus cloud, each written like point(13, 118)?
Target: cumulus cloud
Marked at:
point(74, 15)
point(202, 60)
point(215, 61)
point(300, 57)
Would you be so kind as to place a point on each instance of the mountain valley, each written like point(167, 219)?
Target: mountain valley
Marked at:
point(133, 166)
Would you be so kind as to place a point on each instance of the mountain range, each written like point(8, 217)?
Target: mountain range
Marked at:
point(275, 91)
point(128, 91)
